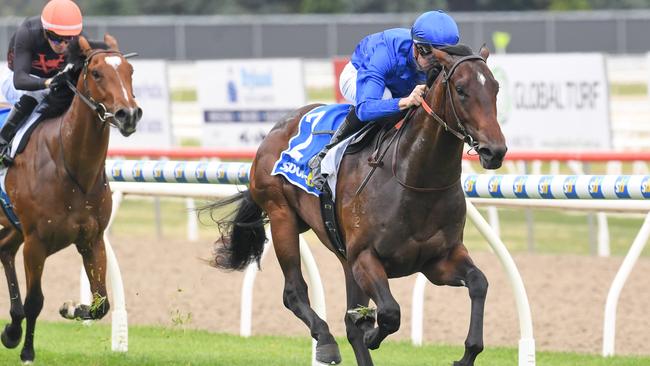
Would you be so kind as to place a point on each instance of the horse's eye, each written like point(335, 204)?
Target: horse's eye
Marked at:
point(460, 91)
point(96, 74)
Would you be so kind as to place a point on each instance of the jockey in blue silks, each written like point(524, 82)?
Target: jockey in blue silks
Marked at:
point(386, 75)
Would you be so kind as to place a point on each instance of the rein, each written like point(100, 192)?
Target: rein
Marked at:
point(98, 107)
point(463, 135)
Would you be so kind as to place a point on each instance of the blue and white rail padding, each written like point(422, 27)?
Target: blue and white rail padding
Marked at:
point(168, 171)
point(557, 186)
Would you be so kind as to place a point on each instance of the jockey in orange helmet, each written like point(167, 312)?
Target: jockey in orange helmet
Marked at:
point(35, 57)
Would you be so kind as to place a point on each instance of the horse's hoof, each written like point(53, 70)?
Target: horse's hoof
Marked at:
point(27, 356)
point(370, 339)
point(328, 354)
point(67, 309)
point(9, 341)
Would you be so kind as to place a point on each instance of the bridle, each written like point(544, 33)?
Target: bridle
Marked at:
point(99, 108)
point(461, 133)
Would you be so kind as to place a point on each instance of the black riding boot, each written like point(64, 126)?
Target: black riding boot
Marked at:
point(350, 125)
point(18, 115)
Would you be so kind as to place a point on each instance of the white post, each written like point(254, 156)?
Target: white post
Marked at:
point(417, 310)
point(192, 220)
point(603, 235)
point(526, 341)
point(316, 291)
point(246, 313)
point(609, 327)
point(120, 327)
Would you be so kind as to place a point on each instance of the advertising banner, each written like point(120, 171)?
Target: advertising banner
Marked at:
point(241, 100)
point(553, 101)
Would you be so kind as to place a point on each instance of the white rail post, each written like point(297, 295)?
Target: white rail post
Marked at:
point(246, 312)
point(119, 325)
point(417, 310)
point(526, 341)
point(609, 327)
point(192, 220)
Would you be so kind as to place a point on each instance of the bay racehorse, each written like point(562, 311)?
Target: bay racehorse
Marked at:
point(408, 218)
point(58, 186)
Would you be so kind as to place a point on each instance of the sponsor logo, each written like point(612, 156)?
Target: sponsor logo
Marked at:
point(645, 187)
point(201, 173)
point(159, 172)
point(596, 187)
point(242, 174)
point(544, 186)
point(293, 169)
point(569, 186)
point(494, 187)
point(116, 172)
point(138, 176)
point(470, 186)
point(621, 187)
point(519, 186)
point(179, 173)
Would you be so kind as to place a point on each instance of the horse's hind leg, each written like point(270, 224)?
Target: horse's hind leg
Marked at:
point(13, 332)
point(284, 230)
point(371, 277)
point(459, 270)
point(356, 324)
point(94, 258)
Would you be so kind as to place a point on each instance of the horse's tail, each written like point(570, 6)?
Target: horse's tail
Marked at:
point(242, 238)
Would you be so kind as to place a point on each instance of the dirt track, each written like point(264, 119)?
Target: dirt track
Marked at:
point(166, 281)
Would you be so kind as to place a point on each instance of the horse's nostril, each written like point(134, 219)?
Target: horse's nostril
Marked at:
point(121, 115)
point(138, 114)
point(485, 153)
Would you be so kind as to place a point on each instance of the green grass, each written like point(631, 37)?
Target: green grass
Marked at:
point(72, 344)
point(628, 89)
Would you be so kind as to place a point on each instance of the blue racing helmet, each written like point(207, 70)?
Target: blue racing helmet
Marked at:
point(435, 28)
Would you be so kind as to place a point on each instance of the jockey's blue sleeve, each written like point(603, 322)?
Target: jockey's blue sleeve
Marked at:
point(371, 82)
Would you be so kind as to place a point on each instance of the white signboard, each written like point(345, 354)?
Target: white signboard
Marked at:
point(241, 100)
point(152, 94)
point(553, 101)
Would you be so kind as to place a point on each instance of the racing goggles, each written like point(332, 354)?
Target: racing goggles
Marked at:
point(424, 49)
point(57, 39)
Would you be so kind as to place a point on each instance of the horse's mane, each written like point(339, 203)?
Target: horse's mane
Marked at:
point(58, 101)
point(456, 50)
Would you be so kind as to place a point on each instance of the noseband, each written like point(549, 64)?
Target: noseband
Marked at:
point(102, 112)
point(463, 134)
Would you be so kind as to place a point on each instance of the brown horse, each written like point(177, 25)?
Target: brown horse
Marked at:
point(58, 186)
point(409, 217)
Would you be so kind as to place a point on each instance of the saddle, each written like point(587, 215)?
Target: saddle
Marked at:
point(376, 133)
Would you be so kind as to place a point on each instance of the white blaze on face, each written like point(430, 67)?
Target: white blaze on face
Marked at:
point(116, 61)
point(481, 78)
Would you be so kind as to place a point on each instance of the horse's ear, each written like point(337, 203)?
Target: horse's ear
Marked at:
point(111, 42)
point(442, 56)
point(84, 46)
point(484, 52)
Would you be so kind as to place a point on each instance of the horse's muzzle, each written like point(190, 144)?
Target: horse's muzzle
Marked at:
point(127, 120)
point(491, 157)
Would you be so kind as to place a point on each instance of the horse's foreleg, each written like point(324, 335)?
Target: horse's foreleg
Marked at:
point(371, 277)
point(356, 325)
point(94, 259)
point(13, 332)
point(284, 230)
point(459, 270)
point(35, 254)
